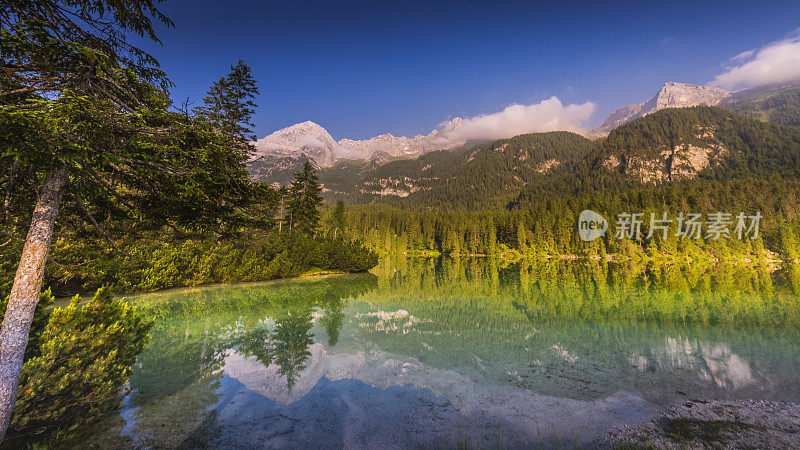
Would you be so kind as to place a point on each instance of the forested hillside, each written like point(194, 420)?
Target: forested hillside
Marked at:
point(672, 145)
point(485, 175)
point(780, 105)
point(699, 160)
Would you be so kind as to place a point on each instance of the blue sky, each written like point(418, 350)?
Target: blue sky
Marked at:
point(365, 68)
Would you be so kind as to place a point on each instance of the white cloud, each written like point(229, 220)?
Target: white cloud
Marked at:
point(745, 55)
point(776, 62)
point(548, 115)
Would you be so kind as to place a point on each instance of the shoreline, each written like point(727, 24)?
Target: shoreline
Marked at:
point(771, 264)
point(63, 301)
point(514, 255)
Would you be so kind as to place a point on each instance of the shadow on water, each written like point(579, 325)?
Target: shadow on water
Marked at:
point(439, 350)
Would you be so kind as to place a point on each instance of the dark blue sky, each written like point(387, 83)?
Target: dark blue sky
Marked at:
point(364, 68)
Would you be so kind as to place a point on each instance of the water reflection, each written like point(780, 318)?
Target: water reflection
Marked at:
point(456, 350)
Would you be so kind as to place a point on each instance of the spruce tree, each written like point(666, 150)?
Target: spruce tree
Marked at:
point(338, 219)
point(84, 112)
point(229, 104)
point(242, 89)
point(304, 199)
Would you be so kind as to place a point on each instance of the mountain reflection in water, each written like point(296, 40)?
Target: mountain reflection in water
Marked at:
point(442, 352)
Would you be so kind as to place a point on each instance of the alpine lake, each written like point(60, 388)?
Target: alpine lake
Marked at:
point(454, 353)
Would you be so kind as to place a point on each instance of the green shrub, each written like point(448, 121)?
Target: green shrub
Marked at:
point(83, 361)
point(160, 262)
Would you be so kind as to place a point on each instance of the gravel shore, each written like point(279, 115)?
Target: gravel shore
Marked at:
point(714, 424)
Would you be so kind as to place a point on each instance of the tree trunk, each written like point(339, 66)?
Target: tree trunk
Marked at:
point(25, 292)
point(280, 219)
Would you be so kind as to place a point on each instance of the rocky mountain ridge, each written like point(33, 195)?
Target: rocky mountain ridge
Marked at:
point(290, 146)
point(311, 140)
point(467, 176)
point(671, 95)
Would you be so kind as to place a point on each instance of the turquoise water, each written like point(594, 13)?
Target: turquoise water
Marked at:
point(442, 353)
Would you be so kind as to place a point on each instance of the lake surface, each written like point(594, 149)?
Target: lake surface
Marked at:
point(445, 353)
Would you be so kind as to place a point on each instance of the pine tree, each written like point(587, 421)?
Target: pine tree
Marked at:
point(304, 199)
point(522, 237)
point(239, 104)
point(229, 105)
point(85, 118)
point(338, 219)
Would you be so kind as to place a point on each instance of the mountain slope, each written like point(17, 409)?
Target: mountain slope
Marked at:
point(485, 174)
point(678, 145)
point(701, 141)
point(275, 170)
point(776, 104)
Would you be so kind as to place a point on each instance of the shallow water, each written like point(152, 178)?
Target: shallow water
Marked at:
point(448, 353)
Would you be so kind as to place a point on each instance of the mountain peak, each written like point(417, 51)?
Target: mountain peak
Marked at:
point(306, 138)
point(312, 140)
point(307, 126)
point(671, 95)
point(309, 123)
point(677, 95)
point(453, 124)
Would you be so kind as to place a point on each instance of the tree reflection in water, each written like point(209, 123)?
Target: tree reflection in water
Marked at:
point(177, 378)
point(292, 338)
point(571, 329)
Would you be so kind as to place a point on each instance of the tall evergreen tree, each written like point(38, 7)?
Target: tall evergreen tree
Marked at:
point(229, 104)
point(338, 219)
point(79, 114)
point(242, 89)
point(304, 199)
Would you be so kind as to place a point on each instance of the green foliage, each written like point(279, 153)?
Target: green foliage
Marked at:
point(41, 316)
point(770, 104)
point(545, 224)
point(229, 103)
point(49, 47)
point(304, 200)
point(82, 97)
point(145, 168)
point(83, 362)
point(158, 261)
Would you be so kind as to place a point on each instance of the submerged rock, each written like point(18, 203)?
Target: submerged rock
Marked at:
point(715, 424)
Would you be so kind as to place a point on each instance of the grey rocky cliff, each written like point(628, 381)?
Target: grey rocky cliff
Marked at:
point(671, 95)
point(684, 160)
